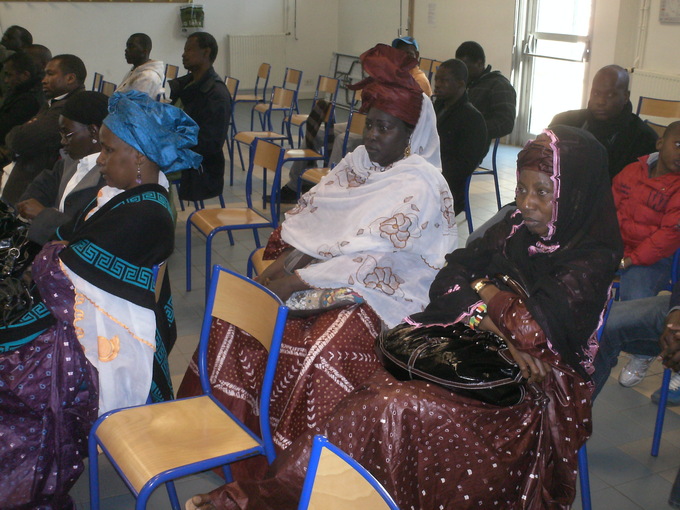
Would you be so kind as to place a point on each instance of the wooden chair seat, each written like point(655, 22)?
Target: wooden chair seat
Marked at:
point(247, 98)
point(248, 137)
point(263, 107)
point(298, 119)
point(315, 174)
point(292, 154)
point(197, 429)
point(207, 220)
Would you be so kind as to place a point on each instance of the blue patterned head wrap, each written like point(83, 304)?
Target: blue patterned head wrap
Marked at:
point(163, 133)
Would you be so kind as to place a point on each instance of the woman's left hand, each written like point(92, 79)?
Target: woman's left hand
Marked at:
point(533, 369)
point(284, 287)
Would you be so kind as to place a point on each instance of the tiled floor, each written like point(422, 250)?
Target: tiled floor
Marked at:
point(623, 475)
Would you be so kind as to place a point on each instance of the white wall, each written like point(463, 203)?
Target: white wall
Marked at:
point(442, 25)
point(663, 41)
point(97, 31)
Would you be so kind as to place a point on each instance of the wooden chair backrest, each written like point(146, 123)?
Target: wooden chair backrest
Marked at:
point(357, 124)
point(328, 86)
point(426, 65)
point(435, 67)
point(658, 128)
point(108, 88)
point(232, 85)
point(283, 97)
point(97, 82)
point(292, 79)
point(242, 303)
point(338, 486)
point(263, 70)
point(659, 107)
point(267, 154)
point(171, 72)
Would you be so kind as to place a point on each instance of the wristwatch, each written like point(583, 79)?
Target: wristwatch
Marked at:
point(477, 287)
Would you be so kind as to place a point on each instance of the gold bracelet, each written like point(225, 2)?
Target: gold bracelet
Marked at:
point(477, 287)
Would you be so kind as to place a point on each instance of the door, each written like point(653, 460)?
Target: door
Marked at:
point(551, 53)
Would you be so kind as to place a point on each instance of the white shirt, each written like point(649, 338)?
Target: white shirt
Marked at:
point(84, 166)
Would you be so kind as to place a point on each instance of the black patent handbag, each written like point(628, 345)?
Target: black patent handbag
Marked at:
point(473, 363)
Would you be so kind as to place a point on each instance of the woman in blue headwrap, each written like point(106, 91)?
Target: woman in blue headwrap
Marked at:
point(100, 338)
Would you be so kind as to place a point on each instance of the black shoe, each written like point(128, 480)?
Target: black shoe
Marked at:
point(288, 196)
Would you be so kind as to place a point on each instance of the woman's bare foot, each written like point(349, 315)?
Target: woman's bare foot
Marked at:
point(200, 502)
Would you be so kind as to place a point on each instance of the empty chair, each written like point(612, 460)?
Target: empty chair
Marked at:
point(97, 82)
point(291, 81)
point(493, 171)
point(154, 444)
point(208, 222)
point(326, 88)
point(652, 107)
point(108, 88)
point(260, 90)
point(335, 481)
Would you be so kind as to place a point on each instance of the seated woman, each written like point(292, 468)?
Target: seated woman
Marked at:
point(431, 448)
point(376, 229)
point(93, 342)
point(57, 194)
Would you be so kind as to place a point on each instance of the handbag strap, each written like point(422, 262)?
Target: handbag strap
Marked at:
point(513, 284)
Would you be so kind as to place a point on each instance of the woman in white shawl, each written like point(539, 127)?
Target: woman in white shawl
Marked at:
point(358, 252)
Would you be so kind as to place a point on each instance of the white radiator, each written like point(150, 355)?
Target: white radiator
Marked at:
point(654, 84)
point(245, 53)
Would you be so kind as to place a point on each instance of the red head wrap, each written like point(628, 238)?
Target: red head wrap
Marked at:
point(390, 86)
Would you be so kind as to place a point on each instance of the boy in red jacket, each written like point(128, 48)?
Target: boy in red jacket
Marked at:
point(648, 209)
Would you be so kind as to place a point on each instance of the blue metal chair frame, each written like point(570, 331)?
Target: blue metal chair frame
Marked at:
point(483, 171)
point(319, 443)
point(583, 476)
point(97, 82)
point(266, 443)
point(666, 382)
point(273, 223)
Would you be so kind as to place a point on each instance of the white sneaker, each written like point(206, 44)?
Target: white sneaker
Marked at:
point(635, 370)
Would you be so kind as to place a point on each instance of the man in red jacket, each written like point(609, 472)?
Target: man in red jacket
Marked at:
point(647, 196)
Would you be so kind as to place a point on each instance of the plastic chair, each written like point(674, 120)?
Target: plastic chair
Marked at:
point(280, 96)
point(154, 444)
point(583, 476)
point(209, 222)
point(335, 481)
point(291, 81)
point(97, 82)
point(666, 382)
point(326, 88)
point(259, 94)
point(483, 171)
point(653, 107)
point(108, 88)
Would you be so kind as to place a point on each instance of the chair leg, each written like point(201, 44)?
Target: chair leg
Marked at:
point(240, 156)
point(661, 412)
point(94, 472)
point(257, 238)
point(172, 494)
point(584, 478)
point(222, 204)
point(208, 262)
point(188, 247)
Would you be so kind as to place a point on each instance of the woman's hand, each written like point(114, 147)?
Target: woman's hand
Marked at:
point(30, 208)
point(284, 287)
point(200, 502)
point(533, 369)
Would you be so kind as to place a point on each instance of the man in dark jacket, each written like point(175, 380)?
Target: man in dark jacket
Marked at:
point(461, 129)
point(610, 118)
point(489, 91)
point(204, 97)
point(36, 143)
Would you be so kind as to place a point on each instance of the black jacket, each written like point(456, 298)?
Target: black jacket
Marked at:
point(209, 104)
